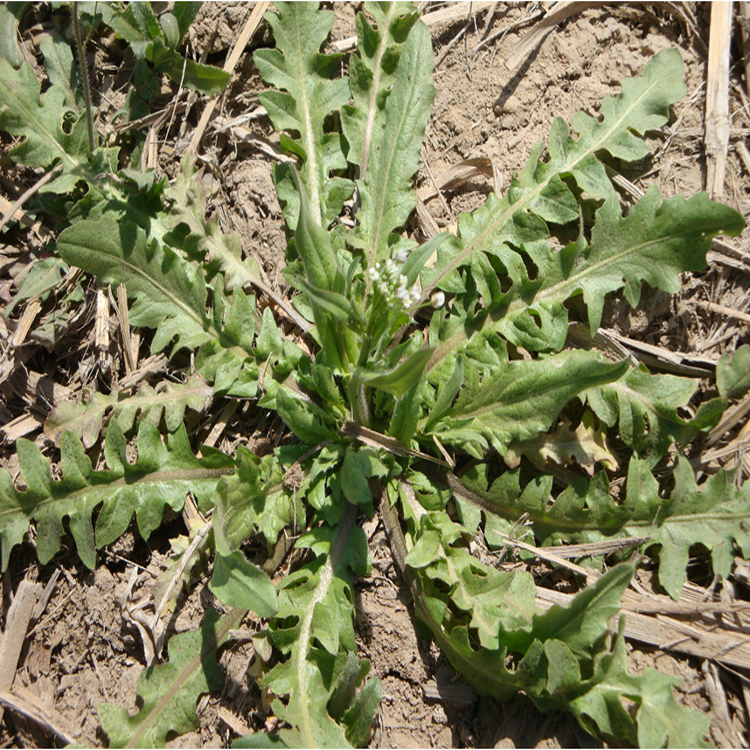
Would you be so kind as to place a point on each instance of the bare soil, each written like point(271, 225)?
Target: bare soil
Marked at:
point(86, 648)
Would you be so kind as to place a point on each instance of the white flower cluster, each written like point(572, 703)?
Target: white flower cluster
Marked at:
point(391, 283)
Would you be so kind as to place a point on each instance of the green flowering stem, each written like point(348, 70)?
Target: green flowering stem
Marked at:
point(357, 398)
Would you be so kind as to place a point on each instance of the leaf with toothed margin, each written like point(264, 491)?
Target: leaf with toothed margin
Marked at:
point(169, 692)
point(87, 420)
point(41, 122)
point(162, 476)
point(520, 400)
point(306, 92)
point(170, 295)
point(386, 191)
point(539, 195)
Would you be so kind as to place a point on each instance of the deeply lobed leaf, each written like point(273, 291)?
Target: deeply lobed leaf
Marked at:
point(148, 404)
point(306, 93)
point(39, 120)
point(372, 75)
point(168, 692)
point(521, 399)
point(480, 616)
point(170, 296)
point(710, 515)
point(539, 195)
point(162, 475)
point(385, 191)
point(315, 628)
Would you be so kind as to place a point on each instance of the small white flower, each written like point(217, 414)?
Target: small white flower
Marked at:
point(402, 281)
point(390, 267)
point(374, 274)
point(401, 256)
point(403, 294)
point(383, 287)
point(437, 300)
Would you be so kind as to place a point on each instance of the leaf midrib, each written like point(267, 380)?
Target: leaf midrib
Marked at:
point(559, 289)
point(309, 136)
point(158, 477)
point(204, 324)
point(543, 520)
point(136, 401)
point(527, 199)
point(173, 298)
point(385, 167)
point(556, 292)
point(232, 620)
point(32, 120)
point(372, 104)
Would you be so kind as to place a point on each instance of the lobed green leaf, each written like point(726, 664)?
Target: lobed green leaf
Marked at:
point(162, 475)
point(169, 692)
point(85, 420)
point(307, 93)
point(39, 121)
point(521, 399)
point(385, 191)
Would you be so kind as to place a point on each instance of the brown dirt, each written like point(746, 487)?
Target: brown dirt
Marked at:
point(85, 650)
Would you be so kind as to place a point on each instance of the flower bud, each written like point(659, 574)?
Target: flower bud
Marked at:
point(437, 300)
point(401, 256)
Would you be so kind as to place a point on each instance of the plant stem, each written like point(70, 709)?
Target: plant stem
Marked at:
point(357, 400)
point(84, 76)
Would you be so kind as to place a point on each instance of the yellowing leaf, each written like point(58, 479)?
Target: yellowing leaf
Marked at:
point(586, 446)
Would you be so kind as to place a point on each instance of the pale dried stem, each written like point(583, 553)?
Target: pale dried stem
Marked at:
point(717, 98)
point(729, 311)
point(24, 703)
point(744, 16)
point(705, 638)
point(555, 16)
point(16, 626)
point(121, 309)
point(246, 34)
point(157, 629)
point(10, 213)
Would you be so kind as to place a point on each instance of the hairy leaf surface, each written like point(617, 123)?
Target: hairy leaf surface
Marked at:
point(39, 120)
point(168, 692)
point(539, 195)
point(660, 721)
point(386, 192)
point(554, 649)
point(148, 404)
point(521, 399)
point(645, 408)
point(733, 373)
point(372, 75)
point(162, 475)
point(205, 239)
point(307, 92)
point(649, 244)
point(314, 626)
point(170, 292)
point(710, 515)
point(170, 296)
